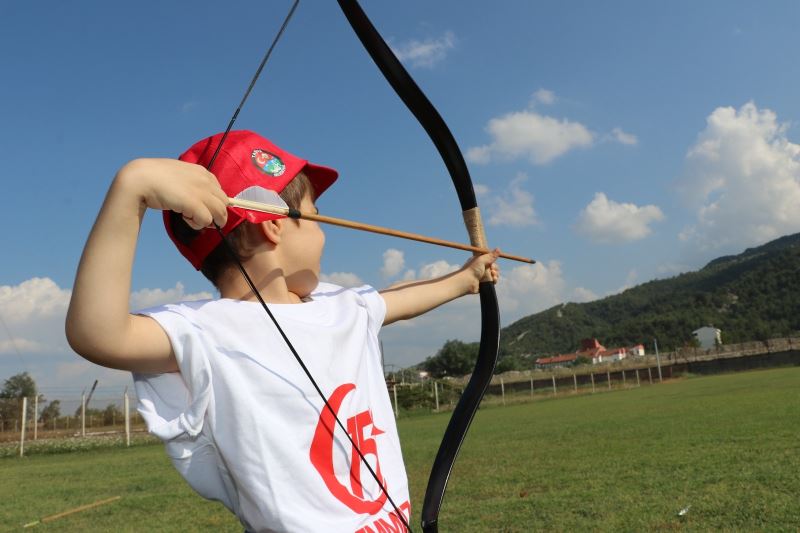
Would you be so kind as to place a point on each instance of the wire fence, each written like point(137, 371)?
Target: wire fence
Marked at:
point(409, 399)
point(34, 425)
point(29, 421)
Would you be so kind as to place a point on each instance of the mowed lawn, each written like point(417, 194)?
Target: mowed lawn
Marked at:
point(727, 448)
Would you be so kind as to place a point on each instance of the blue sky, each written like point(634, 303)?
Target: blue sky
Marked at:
point(614, 142)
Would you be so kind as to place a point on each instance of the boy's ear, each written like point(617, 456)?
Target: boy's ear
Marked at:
point(271, 229)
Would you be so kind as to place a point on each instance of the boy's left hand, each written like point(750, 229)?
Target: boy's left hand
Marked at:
point(483, 268)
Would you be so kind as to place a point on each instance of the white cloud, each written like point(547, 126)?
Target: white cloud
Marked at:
point(480, 189)
point(345, 279)
point(18, 344)
point(523, 290)
point(36, 298)
point(34, 312)
point(432, 270)
point(543, 96)
point(672, 268)
point(527, 134)
point(527, 289)
point(607, 221)
point(425, 53)
point(582, 295)
point(623, 137)
point(514, 208)
point(145, 298)
point(393, 263)
point(630, 281)
point(437, 269)
point(743, 178)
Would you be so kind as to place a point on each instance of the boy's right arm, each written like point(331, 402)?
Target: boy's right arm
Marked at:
point(99, 325)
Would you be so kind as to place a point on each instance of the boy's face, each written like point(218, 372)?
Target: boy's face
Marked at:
point(302, 242)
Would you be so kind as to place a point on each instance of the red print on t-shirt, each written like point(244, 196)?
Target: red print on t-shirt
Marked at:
point(363, 431)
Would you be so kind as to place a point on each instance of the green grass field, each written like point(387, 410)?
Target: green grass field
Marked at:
point(727, 447)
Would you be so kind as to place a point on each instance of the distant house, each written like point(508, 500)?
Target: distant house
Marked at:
point(636, 351)
point(594, 351)
point(614, 354)
point(708, 337)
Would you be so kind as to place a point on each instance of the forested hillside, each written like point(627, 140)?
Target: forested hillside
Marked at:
point(751, 296)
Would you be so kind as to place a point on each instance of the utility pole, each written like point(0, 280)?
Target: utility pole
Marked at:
point(658, 360)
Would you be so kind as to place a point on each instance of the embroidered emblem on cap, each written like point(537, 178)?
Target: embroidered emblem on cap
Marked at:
point(268, 163)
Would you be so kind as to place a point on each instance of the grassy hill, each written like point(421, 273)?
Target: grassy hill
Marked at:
point(751, 296)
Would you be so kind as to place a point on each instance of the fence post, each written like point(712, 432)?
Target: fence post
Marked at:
point(575, 383)
point(658, 361)
point(531, 387)
point(35, 417)
point(592, 374)
point(83, 414)
point(24, 416)
point(650, 375)
point(127, 408)
point(394, 393)
point(436, 394)
point(608, 375)
point(554, 385)
point(503, 390)
point(637, 378)
point(623, 379)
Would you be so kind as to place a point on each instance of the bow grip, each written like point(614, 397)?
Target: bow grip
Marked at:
point(477, 235)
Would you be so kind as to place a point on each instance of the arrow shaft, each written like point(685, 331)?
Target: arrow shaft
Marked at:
point(277, 210)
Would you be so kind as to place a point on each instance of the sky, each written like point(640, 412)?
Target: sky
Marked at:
point(614, 142)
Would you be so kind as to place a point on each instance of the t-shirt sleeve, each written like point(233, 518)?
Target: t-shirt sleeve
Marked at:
point(375, 304)
point(175, 404)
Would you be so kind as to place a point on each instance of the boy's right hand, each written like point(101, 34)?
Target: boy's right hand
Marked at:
point(173, 185)
point(99, 325)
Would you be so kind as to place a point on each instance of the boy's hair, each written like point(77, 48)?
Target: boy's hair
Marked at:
point(243, 239)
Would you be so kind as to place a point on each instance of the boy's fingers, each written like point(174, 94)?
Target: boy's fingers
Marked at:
point(219, 211)
point(197, 216)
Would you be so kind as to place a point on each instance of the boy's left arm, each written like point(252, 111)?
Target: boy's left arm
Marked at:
point(408, 300)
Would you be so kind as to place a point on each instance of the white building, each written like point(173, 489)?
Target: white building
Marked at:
point(636, 351)
point(708, 337)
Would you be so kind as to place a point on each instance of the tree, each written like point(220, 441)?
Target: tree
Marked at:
point(582, 360)
point(511, 362)
point(51, 412)
point(17, 387)
point(112, 414)
point(455, 358)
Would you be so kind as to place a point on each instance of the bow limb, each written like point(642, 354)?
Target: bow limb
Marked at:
point(442, 138)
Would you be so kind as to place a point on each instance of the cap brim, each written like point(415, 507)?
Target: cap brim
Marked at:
point(320, 177)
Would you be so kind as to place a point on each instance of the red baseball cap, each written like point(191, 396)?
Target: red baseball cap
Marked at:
point(246, 159)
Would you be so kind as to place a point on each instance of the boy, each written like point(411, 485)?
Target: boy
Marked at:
point(242, 423)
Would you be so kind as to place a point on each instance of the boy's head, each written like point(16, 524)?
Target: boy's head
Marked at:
point(245, 160)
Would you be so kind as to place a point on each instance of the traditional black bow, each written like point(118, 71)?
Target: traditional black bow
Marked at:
point(437, 130)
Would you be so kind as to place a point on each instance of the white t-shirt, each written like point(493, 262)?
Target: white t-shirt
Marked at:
point(244, 425)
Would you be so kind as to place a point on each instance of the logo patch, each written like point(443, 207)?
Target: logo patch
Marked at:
point(268, 163)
